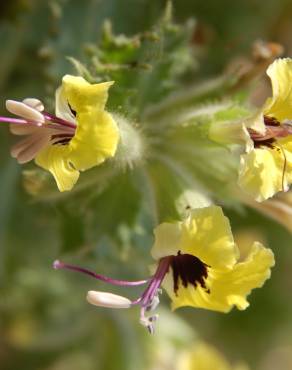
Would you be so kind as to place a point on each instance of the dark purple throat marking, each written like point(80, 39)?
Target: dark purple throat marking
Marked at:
point(271, 121)
point(72, 110)
point(189, 270)
point(269, 143)
point(274, 131)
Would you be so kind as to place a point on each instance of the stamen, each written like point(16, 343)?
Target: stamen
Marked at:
point(22, 129)
point(150, 298)
point(54, 119)
point(15, 120)
point(24, 110)
point(27, 149)
point(60, 265)
point(155, 283)
point(34, 103)
point(148, 322)
point(148, 301)
point(105, 299)
point(31, 110)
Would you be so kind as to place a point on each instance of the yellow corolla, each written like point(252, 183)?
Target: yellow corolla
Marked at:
point(96, 136)
point(81, 135)
point(205, 357)
point(203, 262)
point(266, 168)
point(197, 264)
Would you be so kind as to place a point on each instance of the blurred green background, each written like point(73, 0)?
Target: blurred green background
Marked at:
point(45, 322)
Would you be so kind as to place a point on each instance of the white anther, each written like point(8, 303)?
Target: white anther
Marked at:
point(27, 149)
point(105, 299)
point(148, 322)
point(154, 304)
point(34, 103)
point(23, 130)
point(25, 111)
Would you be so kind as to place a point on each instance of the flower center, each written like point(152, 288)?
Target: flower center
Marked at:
point(274, 131)
point(189, 270)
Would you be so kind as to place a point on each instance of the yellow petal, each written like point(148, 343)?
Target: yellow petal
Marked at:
point(54, 158)
point(247, 275)
point(207, 235)
point(62, 108)
point(227, 287)
point(82, 95)
point(97, 134)
point(167, 240)
point(256, 123)
point(95, 140)
point(280, 105)
point(261, 172)
point(286, 145)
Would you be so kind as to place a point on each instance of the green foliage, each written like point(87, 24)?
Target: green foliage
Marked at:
point(146, 67)
point(167, 96)
point(115, 210)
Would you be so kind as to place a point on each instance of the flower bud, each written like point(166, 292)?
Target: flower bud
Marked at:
point(105, 299)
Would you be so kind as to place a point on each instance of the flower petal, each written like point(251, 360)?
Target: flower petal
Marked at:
point(247, 275)
point(81, 95)
point(106, 299)
point(34, 103)
point(280, 105)
point(167, 240)
point(54, 158)
point(226, 288)
point(286, 145)
point(62, 108)
point(97, 135)
point(261, 172)
point(207, 235)
point(95, 140)
point(257, 123)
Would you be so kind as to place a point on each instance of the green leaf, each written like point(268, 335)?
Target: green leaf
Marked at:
point(116, 208)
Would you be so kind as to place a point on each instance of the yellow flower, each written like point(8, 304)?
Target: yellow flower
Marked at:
point(202, 356)
point(204, 270)
point(81, 135)
point(266, 168)
point(197, 264)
